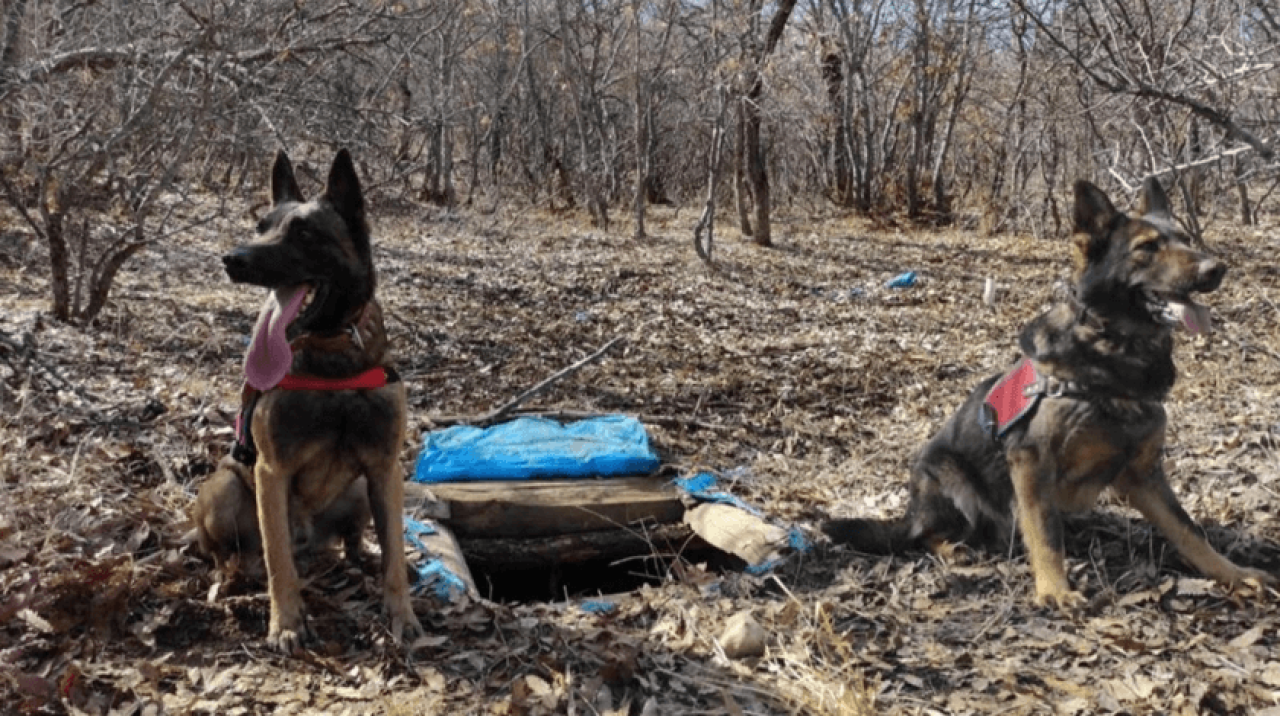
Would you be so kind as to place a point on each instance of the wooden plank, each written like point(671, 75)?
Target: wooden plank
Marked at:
point(736, 531)
point(540, 508)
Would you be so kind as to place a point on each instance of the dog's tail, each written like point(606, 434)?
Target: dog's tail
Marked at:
point(882, 537)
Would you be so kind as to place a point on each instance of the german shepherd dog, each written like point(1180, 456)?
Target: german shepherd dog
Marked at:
point(324, 413)
point(1091, 414)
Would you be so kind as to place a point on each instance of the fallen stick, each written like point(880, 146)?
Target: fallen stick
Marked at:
point(665, 421)
point(497, 414)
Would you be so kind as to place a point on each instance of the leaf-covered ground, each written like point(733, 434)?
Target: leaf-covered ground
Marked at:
point(791, 372)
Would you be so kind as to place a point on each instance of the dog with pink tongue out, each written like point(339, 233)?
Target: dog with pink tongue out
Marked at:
point(323, 413)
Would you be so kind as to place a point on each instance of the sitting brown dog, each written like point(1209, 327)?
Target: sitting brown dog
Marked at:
point(323, 414)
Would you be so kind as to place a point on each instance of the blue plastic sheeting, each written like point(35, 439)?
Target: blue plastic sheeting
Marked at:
point(702, 487)
point(432, 572)
point(532, 448)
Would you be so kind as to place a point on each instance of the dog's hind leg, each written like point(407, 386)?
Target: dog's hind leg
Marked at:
point(1041, 526)
point(386, 498)
point(288, 627)
point(1151, 495)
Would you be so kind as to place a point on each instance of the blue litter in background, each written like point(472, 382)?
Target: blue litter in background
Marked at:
point(533, 448)
point(433, 572)
point(596, 606)
point(902, 280)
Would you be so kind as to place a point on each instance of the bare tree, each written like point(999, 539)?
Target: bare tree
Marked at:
point(755, 52)
point(1156, 60)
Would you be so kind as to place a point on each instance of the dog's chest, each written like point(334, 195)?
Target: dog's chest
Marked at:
point(1083, 446)
point(293, 428)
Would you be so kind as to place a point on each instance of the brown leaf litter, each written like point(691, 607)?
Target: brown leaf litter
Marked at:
point(793, 373)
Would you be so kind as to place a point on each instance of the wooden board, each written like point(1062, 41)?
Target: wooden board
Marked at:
point(541, 508)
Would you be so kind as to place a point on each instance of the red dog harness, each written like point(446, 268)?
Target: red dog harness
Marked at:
point(1011, 399)
point(1018, 393)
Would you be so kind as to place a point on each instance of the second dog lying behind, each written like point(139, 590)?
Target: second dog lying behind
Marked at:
point(1082, 412)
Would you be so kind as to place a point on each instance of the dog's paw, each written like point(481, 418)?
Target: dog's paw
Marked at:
point(1260, 575)
point(1064, 599)
point(1251, 577)
point(287, 641)
point(403, 623)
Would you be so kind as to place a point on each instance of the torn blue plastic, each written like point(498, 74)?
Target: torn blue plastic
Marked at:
point(902, 280)
point(533, 448)
point(795, 539)
point(595, 606)
point(432, 572)
point(702, 487)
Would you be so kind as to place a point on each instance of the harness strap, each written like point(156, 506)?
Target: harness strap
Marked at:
point(1015, 397)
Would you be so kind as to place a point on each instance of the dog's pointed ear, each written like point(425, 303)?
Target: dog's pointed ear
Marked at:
point(1094, 212)
point(343, 190)
point(284, 187)
point(1154, 202)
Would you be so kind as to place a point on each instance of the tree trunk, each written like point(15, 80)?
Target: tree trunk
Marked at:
point(741, 192)
point(1242, 190)
point(59, 266)
point(14, 11)
point(833, 76)
point(753, 151)
point(705, 230)
point(753, 158)
point(642, 143)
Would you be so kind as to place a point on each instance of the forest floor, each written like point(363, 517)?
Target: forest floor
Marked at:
point(793, 373)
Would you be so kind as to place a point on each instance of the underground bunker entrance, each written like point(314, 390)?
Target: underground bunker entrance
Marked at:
point(559, 569)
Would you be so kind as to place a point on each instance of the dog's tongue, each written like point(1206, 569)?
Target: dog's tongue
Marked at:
point(1194, 317)
point(269, 356)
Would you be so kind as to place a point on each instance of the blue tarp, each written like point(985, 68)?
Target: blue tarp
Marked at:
point(531, 448)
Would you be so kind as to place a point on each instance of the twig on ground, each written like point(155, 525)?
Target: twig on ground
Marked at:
point(497, 414)
point(25, 353)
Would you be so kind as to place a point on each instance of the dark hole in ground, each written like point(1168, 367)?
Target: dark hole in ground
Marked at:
point(577, 580)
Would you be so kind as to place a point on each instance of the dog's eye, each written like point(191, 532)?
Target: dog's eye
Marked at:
point(1149, 247)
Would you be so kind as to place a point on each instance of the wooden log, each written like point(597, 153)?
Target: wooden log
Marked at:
point(541, 508)
point(665, 541)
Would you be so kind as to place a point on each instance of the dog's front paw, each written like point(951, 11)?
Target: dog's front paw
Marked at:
point(1246, 575)
point(403, 622)
point(288, 641)
point(1063, 599)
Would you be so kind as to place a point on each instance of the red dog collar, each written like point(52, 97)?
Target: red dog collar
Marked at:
point(372, 378)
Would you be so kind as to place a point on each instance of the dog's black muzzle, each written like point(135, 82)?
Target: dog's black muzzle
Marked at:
point(257, 265)
point(1211, 273)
